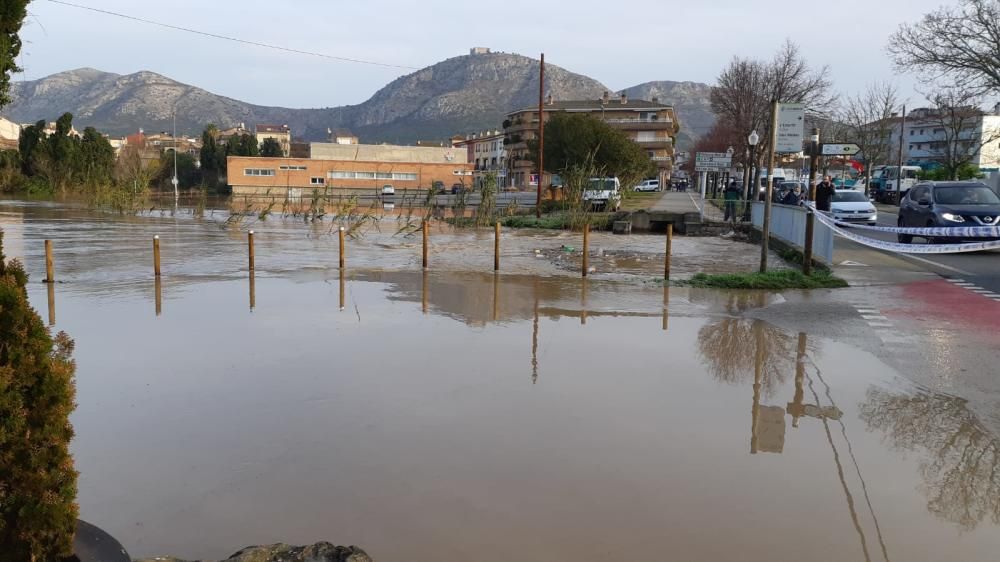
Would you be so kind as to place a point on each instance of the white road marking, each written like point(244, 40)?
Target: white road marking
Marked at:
point(874, 317)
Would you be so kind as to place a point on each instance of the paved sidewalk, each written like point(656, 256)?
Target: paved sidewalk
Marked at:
point(676, 202)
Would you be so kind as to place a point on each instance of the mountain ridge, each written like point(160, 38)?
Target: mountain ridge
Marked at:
point(458, 95)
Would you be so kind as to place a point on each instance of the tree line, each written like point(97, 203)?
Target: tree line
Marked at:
point(62, 162)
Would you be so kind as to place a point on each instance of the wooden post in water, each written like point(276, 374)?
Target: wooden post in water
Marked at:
point(342, 257)
point(50, 267)
point(670, 244)
point(496, 247)
point(156, 256)
point(250, 249)
point(807, 248)
point(586, 248)
point(426, 234)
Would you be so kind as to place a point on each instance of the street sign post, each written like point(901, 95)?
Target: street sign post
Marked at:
point(849, 149)
point(791, 128)
point(712, 161)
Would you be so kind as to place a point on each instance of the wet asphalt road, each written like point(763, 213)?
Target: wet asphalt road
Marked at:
point(979, 268)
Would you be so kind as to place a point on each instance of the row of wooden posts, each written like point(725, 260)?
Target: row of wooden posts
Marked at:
point(50, 261)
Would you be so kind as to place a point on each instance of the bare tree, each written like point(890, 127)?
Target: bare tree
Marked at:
point(746, 87)
point(868, 118)
point(960, 43)
point(132, 172)
point(959, 128)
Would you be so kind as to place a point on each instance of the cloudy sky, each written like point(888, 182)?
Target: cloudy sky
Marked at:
point(619, 43)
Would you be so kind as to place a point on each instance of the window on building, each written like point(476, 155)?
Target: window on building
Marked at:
point(339, 175)
point(383, 175)
point(911, 147)
point(258, 171)
point(293, 168)
point(646, 136)
point(921, 131)
point(404, 176)
point(912, 132)
point(317, 181)
point(364, 175)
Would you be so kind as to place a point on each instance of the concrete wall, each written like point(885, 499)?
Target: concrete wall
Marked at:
point(389, 153)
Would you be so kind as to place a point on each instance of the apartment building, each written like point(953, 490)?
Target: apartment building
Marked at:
point(977, 134)
point(280, 133)
point(358, 167)
point(485, 151)
point(651, 124)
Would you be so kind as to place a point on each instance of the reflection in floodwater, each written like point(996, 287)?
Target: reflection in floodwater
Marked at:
point(727, 346)
point(737, 349)
point(52, 303)
point(666, 307)
point(962, 471)
point(158, 296)
point(534, 337)
point(253, 292)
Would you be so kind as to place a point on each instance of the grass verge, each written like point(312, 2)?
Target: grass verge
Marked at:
point(772, 280)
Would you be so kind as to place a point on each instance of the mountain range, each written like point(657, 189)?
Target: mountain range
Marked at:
point(463, 94)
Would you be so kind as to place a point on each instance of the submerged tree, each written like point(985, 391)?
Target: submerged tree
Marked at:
point(37, 479)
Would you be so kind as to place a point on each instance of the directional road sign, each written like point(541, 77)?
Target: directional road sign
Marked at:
point(791, 128)
point(712, 161)
point(840, 149)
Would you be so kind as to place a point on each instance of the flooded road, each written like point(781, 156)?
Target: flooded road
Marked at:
point(462, 415)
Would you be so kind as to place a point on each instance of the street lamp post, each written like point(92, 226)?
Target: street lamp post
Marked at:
point(174, 180)
point(752, 141)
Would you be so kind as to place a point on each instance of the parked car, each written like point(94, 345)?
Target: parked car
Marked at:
point(438, 187)
point(388, 190)
point(948, 204)
point(457, 188)
point(648, 185)
point(604, 193)
point(850, 205)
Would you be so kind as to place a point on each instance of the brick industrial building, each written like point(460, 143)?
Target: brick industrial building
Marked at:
point(357, 167)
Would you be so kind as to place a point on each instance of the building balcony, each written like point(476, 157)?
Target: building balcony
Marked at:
point(655, 143)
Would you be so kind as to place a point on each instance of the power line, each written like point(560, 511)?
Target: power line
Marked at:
point(234, 39)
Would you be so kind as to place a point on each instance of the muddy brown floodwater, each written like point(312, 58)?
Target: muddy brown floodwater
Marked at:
point(462, 415)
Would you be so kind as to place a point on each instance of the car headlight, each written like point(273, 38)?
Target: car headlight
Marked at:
point(952, 217)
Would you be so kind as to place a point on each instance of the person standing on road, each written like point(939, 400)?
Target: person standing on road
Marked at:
point(824, 194)
point(731, 195)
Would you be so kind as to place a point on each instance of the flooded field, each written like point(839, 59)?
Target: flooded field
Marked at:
point(460, 415)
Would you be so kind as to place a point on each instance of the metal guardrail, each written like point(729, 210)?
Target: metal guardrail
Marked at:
point(789, 225)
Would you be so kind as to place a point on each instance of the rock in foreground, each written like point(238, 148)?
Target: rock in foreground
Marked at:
point(319, 552)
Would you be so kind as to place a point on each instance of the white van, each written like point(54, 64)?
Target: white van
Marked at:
point(604, 192)
point(648, 185)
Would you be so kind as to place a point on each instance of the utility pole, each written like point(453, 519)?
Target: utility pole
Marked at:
point(766, 227)
point(541, 136)
point(899, 174)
